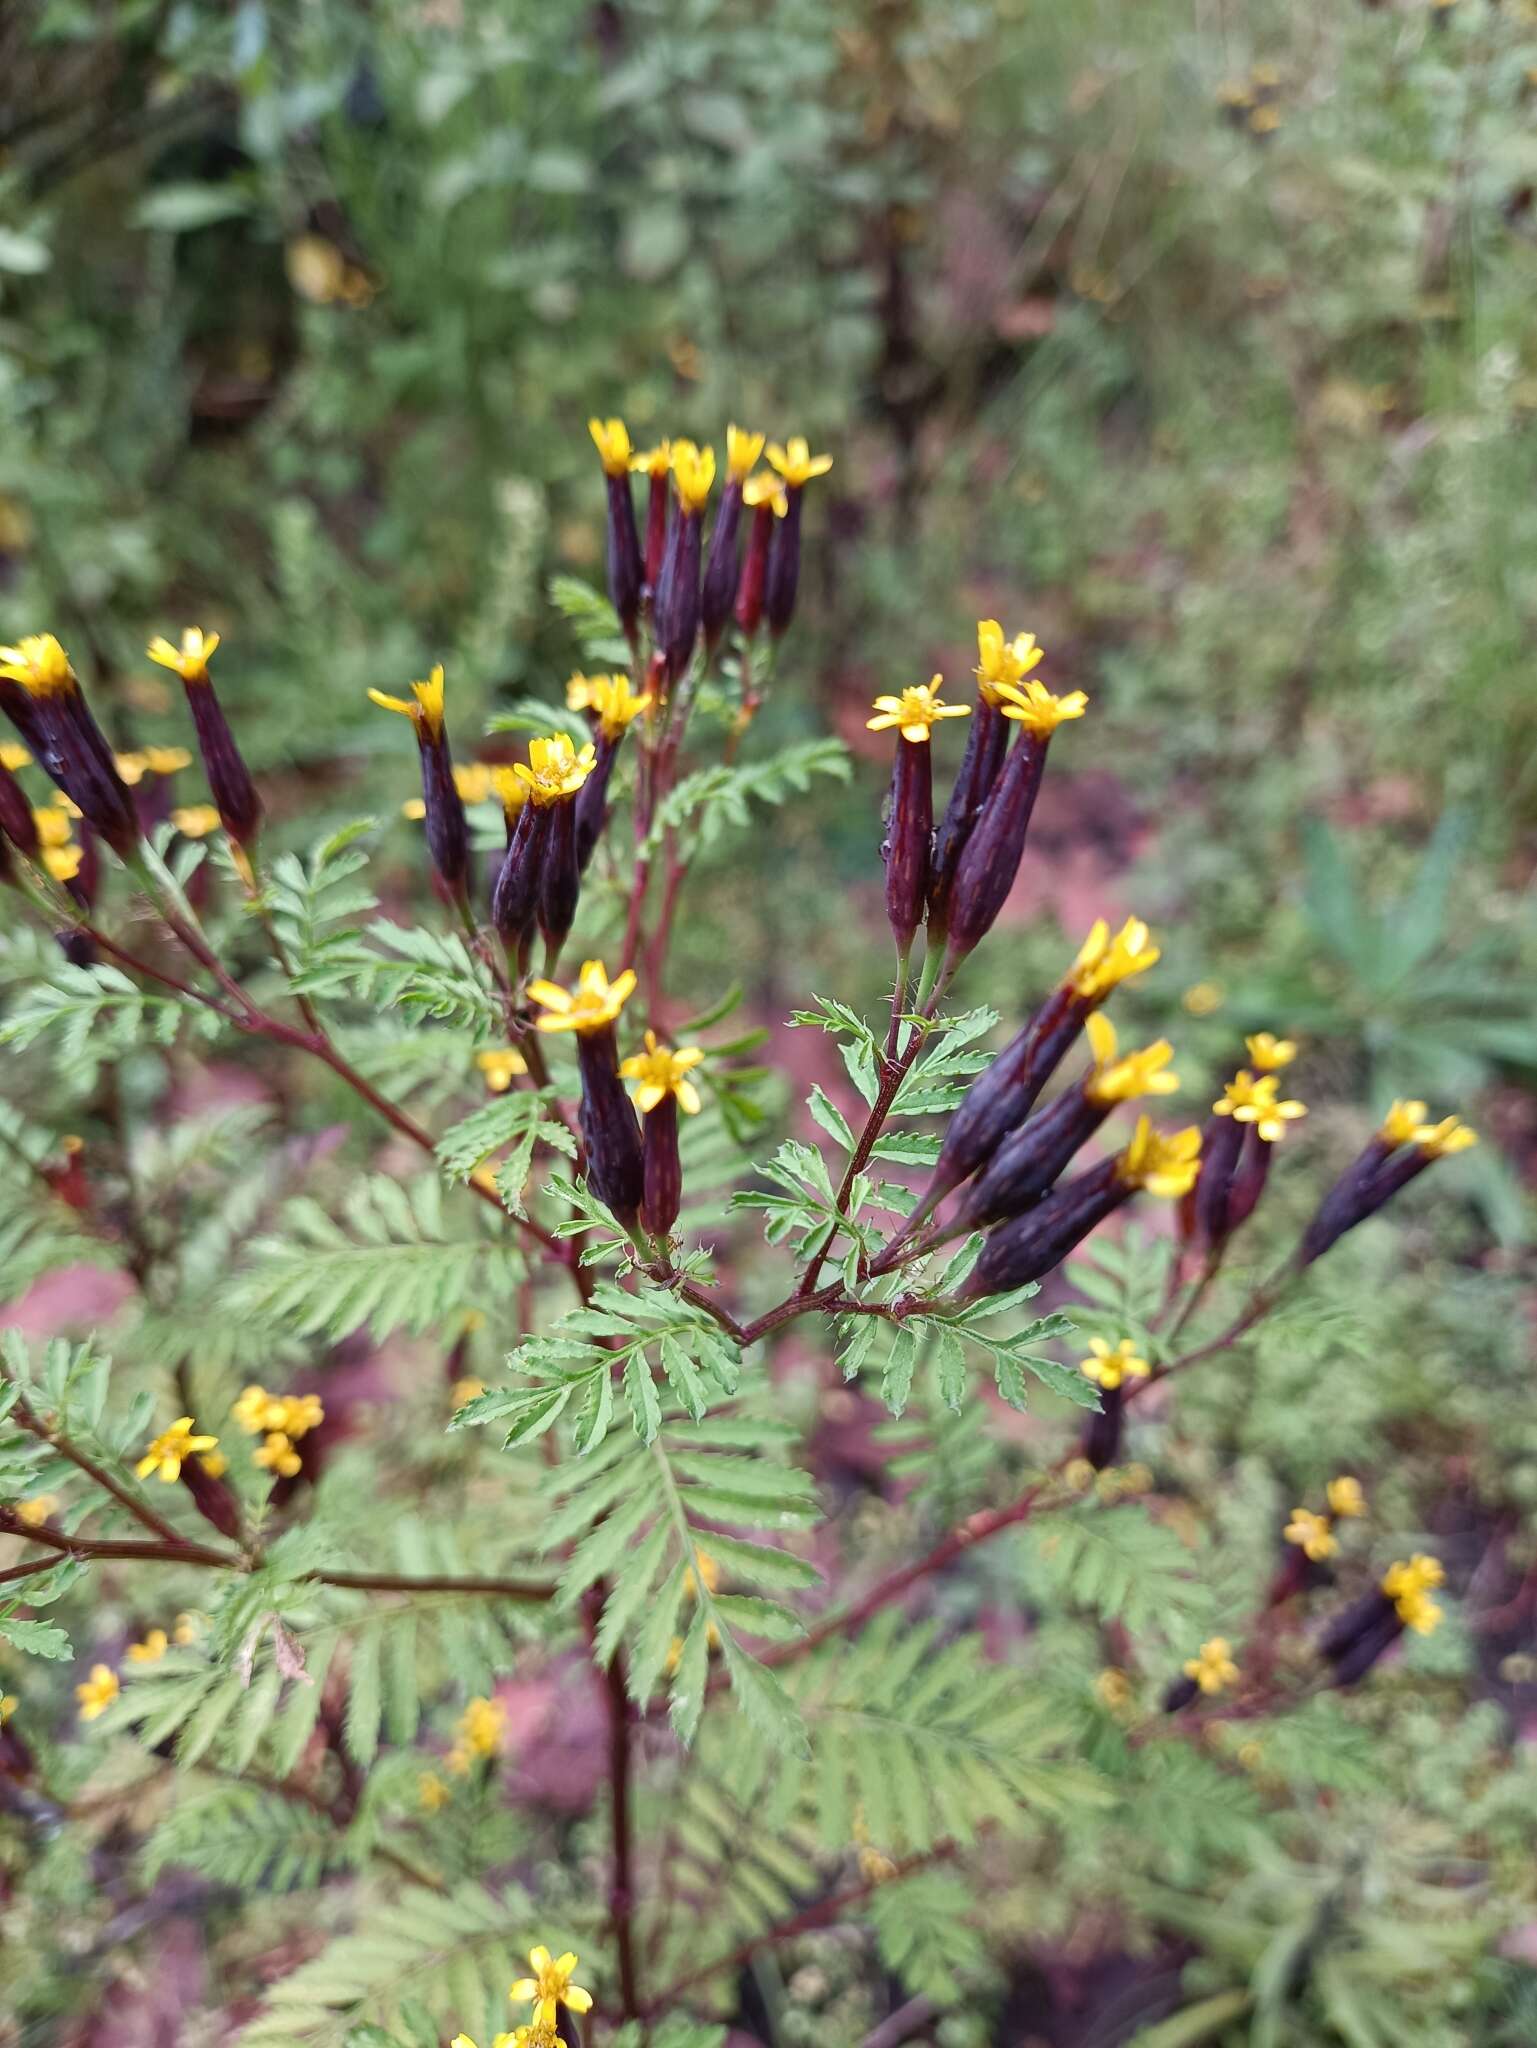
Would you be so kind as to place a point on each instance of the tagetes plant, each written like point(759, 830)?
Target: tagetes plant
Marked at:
point(477, 1402)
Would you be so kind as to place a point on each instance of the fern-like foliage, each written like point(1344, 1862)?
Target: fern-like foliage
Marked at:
point(249, 1836)
point(718, 799)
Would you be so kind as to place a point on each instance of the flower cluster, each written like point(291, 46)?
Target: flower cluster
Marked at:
point(1312, 1532)
point(280, 1420)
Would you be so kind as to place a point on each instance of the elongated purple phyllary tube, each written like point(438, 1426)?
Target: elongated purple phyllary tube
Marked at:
point(515, 897)
point(559, 880)
point(1211, 1199)
point(658, 498)
point(987, 741)
point(784, 566)
point(909, 827)
point(677, 624)
point(57, 725)
point(1030, 1160)
point(592, 799)
point(610, 1129)
point(720, 575)
point(663, 1171)
point(1102, 1437)
point(16, 819)
point(447, 828)
point(751, 589)
point(229, 780)
point(989, 861)
point(212, 1498)
point(625, 573)
point(22, 712)
point(1034, 1243)
point(1249, 1178)
point(1374, 1178)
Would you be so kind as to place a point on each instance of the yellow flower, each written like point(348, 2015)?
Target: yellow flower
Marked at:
point(501, 1065)
point(1400, 1124)
point(1002, 664)
point(131, 768)
point(508, 788)
point(611, 438)
point(1108, 1369)
point(1104, 963)
point(13, 755)
point(191, 659)
point(1163, 1162)
point(195, 821)
point(8, 1705)
point(63, 862)
point(187, 1629)
point(53, 827)
point(1112, 1689)
point(473, 780)
point(795, 461)
point(34, 1512)
point(616, 704)
point(169, 1451)
point(39, 664)
point(1443, 1139)
point(464, 1390)
point(1213, 1670)
point(708, 1575)
point(594, 1003)
point(742, 451)
point(653, 462)
point(1311, 1534)
point(764, 489)
point(97, 1692)
point(481, 1727)
point(551, 1986)
point(424, 707)
point(165, 760)
point(301, 1414)
point(1270, 1053)
point(278, 1455)
point(257, 1411)
point(1034, 707)
point(214, 1463)
point(151, 1650)
point(1251, 1099)
point(432, 1794)
point(693, 471)
point(1202, 998)
point(579, 690)
point(1409, 1586)
point(659, 1072)
point(916, 711)
point(554, 769)
point(1145, 1072)
point(1345, 1497)
point(1419, 1612)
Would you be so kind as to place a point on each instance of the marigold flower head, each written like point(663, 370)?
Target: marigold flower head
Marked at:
point(431, 1794)
point(97, 1692)
point(509, 789)
point(1104, 963)
point(131, 767)
point(63, 862)
point(1109, 1368)
point(1419, 1612)
point(916, 711)
point(482, 1726)
point(190, 660)
point(1270, 1053)
point(554, 769)
point(1251, 1099)
point(550, 1986)
point(1403, 1119)
point(301, 1414)
point(1213, 1668)
point(653, 462)
point(1345, 1497)
point(1409, 1585)
point(659, 1072)
point(501, 1064)
point(1311, 1534)
point(795, 461)
point(1123, 1079)
point(617, 704)
point(474, 780)
point(168, 1452)
point(765, 489)
point(278, 1455)
point(424, 706)
point(593, 1003)
point(1162, 1162)
point(34, 1512)
point(693, 472)
point(742, 451)
point(1002, 664)
point(165, 760)
point(195, 821)
point(257, 1411)
point(1037, 709)
point(611, 438)
point(1441, 1140)
point(13, 755)
point(53, 825)
point(39, 664)
point(150, 1651)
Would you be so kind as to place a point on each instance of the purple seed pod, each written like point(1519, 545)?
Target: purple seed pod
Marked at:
point(212, 1498)
point(662, 1197)
point(592, 800)
point(624, 562)
point(1102, 1436)
point(610, 1129)
point(784, 566)
point(515, 897)
point(987, 741)
point(1402, 1149)
point(720, 576)
point(1249, 1180)
point(909, 828)
point(1211, 1198)
point(989, 861)
point(16, 819)
point(229, 780)
point(1032, 1244)
point(560, 881)
point(1030, 1160)
point(677, 623)
point(447, 828)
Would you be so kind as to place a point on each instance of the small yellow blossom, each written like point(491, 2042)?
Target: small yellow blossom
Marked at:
point(165, 760)
point(703, 1571)
point(191, 659)
point(257, 1411)
point(1204, 998)
point(1409, 1586)
point(611, 438)
point(151, 1650)
point(1104, 963)
point(1270, 1053)
point(1403, 1119)
point(508, 788)
point(131, 768)
point(765, 489)
point(616, 703)
point(1311, 1534)
point(660, 1072)
point(13, 755)
point(278, 1455)
point(481, 1727)
point(1163, 1162)
point(1251, 1099)
point(34, 1512)
point(214, 1463)
point(474, 780)
point(187, 1629)
point(554, 769)
point(424, 706)
point(1213, 1669)
point(742, 451)
point(1443, 1139)
point(97, 1692)
point(169, 1451)
point(916, 711)
point(63, 862)
point(8, 1705)
point(551, 1986)
point(39, 664)
point(1038, 710)
point(53, 826)
point(594, 1003)
point(1345, 1497)
point(653, 462)
point(1109, 1368)
point(795, 461)
point(1003, 664)
point(195, 821)
point(693, 472)
point(1419, 1612)
point(501, 1065)
point(467, 1389)
point(579, 690)
point(1123, 1079)
point(431, 1794)
point(1112, 1689)
point(301, 1414)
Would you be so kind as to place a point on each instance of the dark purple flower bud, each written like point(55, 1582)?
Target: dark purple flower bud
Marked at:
point(592, 802)
point(1403, 1148)
point(229, 779)
point(989, 860)
point(1022, 1250)
point(560, 881)
point(20, 709)
point(987, 741)
point(720, 575)
point(1211, 1198)
point(677, 620)
point(515, 897)
point(57, 724)
point(624, 563)
point(658, 505)
point(1358, 1637)
point(784, 566)
point(1181, 1694)
point(1030, 1160)
point(610, 1132)
point(767, 503)
point(909, 828)
point(1250, 1178)
point(663, 1173)
point(212, 1497)
point(16, 819)
point(448, 831)
point(1102, 1437)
